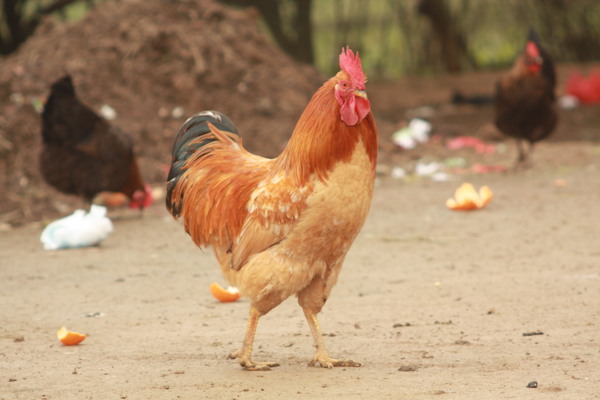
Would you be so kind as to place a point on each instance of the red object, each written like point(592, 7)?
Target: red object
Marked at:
point(479, 145)
point(586, 89)
point(486, 169)
point(141, 198)
point(533, 52)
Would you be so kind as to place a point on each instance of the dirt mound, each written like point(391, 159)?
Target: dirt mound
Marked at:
point(155, 63)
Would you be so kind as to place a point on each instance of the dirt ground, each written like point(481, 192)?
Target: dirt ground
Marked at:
point(434, 303)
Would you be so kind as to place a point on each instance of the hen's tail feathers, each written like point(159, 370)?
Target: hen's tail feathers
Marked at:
point(65, 120)
point(532, 35)
point(63, 86)
point(186, 145)
point(61, 89)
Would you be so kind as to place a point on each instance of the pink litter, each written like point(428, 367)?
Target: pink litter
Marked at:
point(479, 145)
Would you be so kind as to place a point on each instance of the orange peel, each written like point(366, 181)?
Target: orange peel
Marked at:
point(70, 338)
point(224, 295)
point(466, 198)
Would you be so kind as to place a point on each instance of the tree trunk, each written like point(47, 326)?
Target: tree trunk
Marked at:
point(452, 43)
point(17, 27)
point(304, 46)
point(297, 39)
point(577, 27)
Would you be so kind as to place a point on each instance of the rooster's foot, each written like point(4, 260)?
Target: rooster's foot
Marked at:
point(328, 362)
point(235, 355)
point(250, 365)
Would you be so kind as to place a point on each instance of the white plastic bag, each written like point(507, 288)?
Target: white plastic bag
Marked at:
point(77, 230)
point(417, 131)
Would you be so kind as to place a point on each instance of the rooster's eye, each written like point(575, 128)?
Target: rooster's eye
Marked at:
point(344, 85)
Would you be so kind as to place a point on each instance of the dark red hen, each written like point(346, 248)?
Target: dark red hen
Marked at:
point(525, 104)
point(83, 154)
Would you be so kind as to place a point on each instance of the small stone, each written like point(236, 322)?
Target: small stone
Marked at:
point(407, 368)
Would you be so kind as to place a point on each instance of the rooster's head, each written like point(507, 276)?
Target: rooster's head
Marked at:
point(141, 198)
point(350, 89)
point(533, 58)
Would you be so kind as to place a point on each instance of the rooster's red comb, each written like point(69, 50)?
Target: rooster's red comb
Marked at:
point(532, 49)
point(350, 64)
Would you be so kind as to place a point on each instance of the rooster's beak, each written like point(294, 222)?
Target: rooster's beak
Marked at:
point(360, 93)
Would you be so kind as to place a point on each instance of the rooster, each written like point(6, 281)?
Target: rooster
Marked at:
point(84, 155)
point(281, 226)
point(525, 102)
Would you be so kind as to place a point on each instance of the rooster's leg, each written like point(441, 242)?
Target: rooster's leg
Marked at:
point(530, 146)
point(522, 153)
point(322, 356)
point(244, 354)
point(524, 148)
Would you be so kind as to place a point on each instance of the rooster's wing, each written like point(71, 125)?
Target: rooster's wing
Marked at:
point(237, 202)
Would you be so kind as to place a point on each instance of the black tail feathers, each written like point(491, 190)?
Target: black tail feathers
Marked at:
point(195, 127)
point(532, 35)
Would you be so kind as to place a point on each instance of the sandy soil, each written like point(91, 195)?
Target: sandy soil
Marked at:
point(435, 303)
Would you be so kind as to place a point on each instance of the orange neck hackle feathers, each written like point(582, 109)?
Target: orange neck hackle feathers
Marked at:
point(321, 138)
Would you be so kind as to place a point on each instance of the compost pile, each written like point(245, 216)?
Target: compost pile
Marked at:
point(155, 63)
